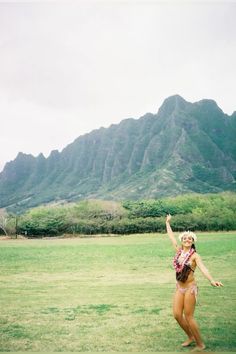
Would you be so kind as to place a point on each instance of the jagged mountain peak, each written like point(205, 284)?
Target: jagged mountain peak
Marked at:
point(54, 153)
point(22, 155)
point(41, 156)
point(175, 98)
point(171, 104)
point(209, 104)
point(186, 147)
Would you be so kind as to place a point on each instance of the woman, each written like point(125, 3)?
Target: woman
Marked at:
point(185, 262)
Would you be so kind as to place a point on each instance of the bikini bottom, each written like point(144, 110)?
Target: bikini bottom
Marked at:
point(193, 288)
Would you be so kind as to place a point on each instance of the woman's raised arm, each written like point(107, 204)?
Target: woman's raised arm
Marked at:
point(170, 232)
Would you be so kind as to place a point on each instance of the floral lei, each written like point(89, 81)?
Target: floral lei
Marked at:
point(179, 267)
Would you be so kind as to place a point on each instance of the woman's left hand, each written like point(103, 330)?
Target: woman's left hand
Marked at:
point(216, 283)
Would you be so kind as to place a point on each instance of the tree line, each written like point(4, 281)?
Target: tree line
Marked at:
point(208, 212)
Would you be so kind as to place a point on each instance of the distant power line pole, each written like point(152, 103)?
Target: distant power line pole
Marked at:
point(16, 224)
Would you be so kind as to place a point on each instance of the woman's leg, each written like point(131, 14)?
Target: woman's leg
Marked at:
point(178, 307)
point(189, 307)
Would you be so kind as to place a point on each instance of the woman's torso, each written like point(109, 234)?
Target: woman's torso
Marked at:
point(191, 279)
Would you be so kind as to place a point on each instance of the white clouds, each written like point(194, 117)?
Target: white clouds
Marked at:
point(67, 68)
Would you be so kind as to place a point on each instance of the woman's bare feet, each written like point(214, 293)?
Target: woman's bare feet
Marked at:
point(188, 342)
point(199, 348)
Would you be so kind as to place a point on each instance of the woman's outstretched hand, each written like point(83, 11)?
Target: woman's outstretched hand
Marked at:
point(170, 232)
point(168, 217)
point(216, 283)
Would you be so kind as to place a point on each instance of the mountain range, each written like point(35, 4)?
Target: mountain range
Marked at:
point(185, 147)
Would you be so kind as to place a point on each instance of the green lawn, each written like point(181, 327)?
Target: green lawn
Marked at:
point(110, 294)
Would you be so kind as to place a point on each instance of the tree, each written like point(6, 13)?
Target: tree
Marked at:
point(3, 220)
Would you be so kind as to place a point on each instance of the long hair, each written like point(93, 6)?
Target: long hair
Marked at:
point(194, 247)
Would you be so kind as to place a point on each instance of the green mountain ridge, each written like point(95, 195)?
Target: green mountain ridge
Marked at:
point(185, 147)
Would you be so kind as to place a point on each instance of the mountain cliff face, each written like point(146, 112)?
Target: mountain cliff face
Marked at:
point(185, 147)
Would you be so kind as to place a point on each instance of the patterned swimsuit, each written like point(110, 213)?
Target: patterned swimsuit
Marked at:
point(179, 268)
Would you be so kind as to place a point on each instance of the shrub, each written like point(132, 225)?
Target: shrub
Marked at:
point(191, 212)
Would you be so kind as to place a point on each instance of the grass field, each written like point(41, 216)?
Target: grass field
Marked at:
point(110, 294)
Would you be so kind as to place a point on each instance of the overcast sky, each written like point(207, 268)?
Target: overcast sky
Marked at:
point(67, 68)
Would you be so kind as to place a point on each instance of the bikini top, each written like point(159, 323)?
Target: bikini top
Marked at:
point(188, 264)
